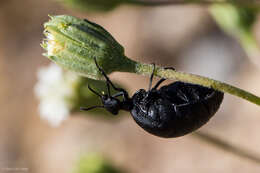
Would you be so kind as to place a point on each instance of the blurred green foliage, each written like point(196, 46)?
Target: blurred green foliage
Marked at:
point(93, 5)
point(237, 21)
point(94, 163)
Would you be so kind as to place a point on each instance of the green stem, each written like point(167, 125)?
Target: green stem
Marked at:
point(146, 69)
point(226, 146)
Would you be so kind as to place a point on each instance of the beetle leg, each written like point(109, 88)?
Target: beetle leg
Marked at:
point(151, 78)
point(169, 68)
point(93, 107)
point(95, 92)
point(158, 83)
point(103, 73)
point(181, 95)
point(195, 95)
point(118, 94)
point(125, 96)
point(109, 81)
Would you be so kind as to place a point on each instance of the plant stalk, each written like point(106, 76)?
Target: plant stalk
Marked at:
point(146, 69)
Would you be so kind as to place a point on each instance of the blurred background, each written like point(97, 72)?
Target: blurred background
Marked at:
point(183, 36)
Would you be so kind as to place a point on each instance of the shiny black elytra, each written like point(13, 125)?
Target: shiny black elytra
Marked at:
point(173, 110)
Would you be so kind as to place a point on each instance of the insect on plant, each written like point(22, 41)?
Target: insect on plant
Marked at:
point(173, 110)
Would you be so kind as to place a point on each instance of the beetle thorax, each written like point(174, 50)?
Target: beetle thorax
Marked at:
point(143, 99)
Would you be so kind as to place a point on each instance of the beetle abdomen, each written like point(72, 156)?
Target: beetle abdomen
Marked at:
point(176, 109)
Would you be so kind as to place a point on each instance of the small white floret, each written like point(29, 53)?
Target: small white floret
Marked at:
point(55, 90)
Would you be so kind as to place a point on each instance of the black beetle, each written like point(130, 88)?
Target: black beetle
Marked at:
point(173, 110)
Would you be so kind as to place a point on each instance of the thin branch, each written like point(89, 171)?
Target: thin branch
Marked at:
point(219, 143)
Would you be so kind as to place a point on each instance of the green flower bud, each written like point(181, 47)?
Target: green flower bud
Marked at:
point(74, 43)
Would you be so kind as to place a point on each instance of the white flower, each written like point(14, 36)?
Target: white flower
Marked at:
point(55, 90)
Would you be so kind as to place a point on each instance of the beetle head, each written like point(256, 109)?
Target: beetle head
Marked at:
point(111, 104)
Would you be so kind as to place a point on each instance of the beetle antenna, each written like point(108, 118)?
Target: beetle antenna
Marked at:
point(151, 78)
point(103, 73)
point(94, 91)
point(109, 81)
point(93, 107)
